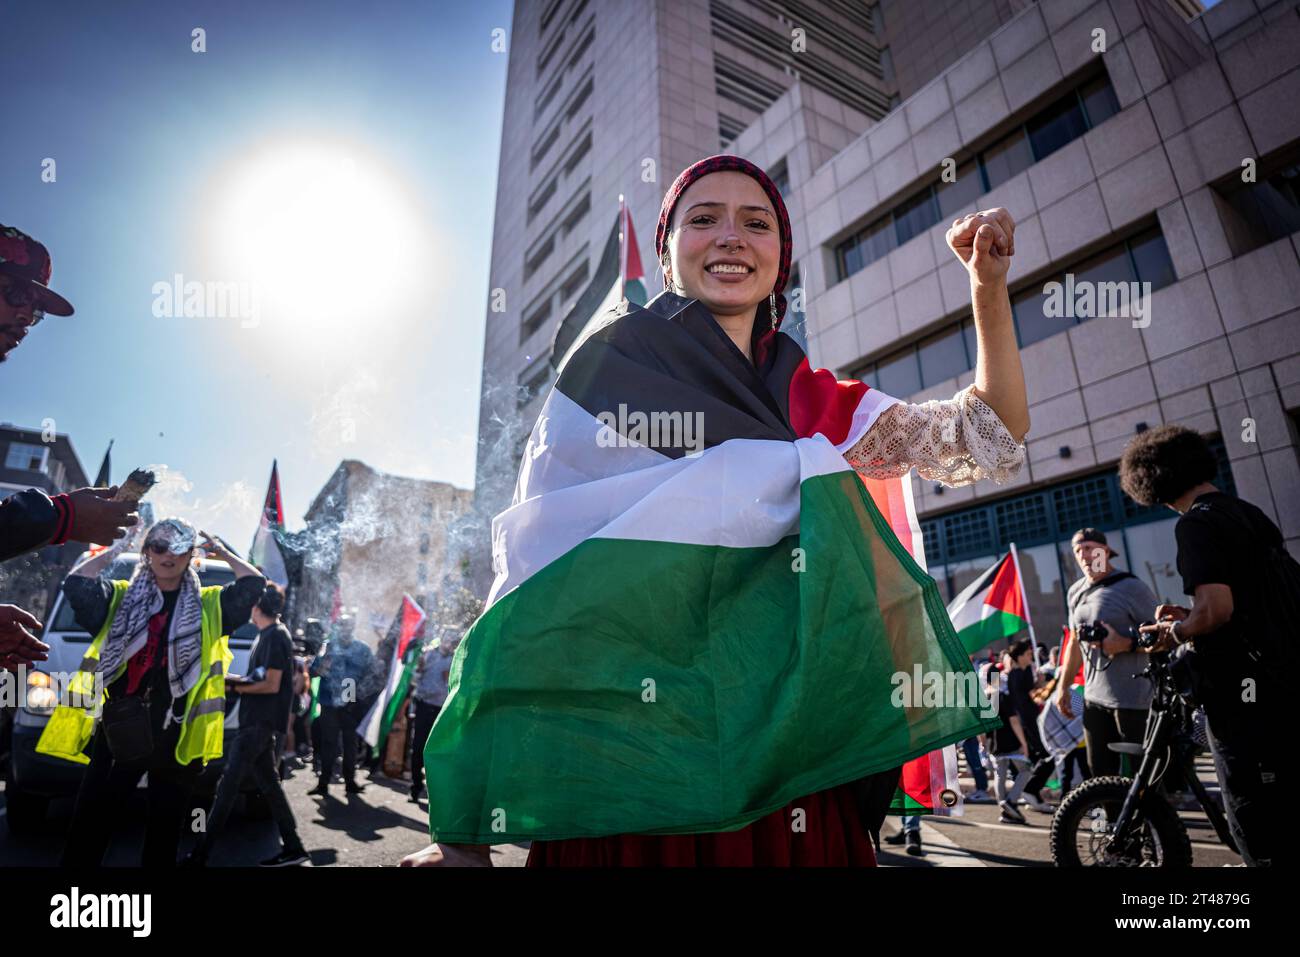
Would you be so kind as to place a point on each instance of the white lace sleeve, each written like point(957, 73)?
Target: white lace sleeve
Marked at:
point(953, 441)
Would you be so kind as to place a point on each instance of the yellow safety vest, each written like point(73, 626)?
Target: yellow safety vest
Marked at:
point(69, 729)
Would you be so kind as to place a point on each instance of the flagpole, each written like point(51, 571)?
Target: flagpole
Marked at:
point(622, 247)
point(1020, 579)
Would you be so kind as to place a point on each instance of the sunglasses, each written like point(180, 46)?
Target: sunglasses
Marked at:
point(162, 548)
point(22, 294)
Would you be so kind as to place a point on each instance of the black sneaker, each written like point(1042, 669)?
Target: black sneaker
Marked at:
point(352, 787)
point(896, 838)
point(286, 858)
point(415, 795)
point(914, 843)
point(1010, 813)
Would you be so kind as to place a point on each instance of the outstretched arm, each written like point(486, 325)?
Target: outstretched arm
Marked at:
point(985, 243)
point(979, 433)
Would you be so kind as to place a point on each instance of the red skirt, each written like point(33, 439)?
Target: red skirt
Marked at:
point(829, 834)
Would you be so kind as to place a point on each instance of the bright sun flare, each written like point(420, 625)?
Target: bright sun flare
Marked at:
point(325, 234)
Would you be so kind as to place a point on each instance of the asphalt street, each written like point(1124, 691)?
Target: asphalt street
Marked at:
point(373, 829)
point(380, 825)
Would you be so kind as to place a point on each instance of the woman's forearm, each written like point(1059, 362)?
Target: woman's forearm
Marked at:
point(999, 377)
point(241, 568)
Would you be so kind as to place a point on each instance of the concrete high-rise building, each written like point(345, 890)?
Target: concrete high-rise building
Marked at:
point(1147, 143)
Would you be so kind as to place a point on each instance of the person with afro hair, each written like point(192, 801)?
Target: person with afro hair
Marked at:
point(1225, 548)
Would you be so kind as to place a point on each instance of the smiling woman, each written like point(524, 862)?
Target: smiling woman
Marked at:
point(325, 233)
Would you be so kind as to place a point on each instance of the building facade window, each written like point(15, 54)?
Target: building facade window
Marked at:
point(534, 321)
point(951, 351)
point(1264, 211)
point(573, 285)
point(943, 356)
point(1006, 158)
point(899, 374)
point(26, 458)
point(959, 196)
point(1062, 121)
point(780, 176)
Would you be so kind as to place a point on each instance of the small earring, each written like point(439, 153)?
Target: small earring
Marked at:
point(771, 300)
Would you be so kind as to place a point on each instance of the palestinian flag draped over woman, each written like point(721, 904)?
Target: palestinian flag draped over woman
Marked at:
point(699, 611)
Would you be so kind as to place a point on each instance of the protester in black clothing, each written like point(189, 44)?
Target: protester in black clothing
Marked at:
point(265, 701)
point(1020, 682)
point(155, 656)
point(341, 666)
point(1227, 551)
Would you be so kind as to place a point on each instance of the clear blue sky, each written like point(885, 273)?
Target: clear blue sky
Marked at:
point(227, 164)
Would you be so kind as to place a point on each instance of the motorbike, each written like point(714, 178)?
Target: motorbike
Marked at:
point(1118, 821)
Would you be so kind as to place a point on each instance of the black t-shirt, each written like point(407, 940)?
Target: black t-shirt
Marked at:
point(1019, 683)
point(1004, 739)
point(274, 650)
point(1221, 541)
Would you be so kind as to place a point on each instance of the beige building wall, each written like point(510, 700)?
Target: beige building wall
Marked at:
point(1222, 344)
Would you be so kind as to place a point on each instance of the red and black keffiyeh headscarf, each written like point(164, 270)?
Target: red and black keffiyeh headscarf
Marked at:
point(716, 164)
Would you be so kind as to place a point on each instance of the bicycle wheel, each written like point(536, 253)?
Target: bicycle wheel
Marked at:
point(1083, 829)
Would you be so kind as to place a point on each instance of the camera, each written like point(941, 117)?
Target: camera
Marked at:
point(1092, 632)
point(1095, 632)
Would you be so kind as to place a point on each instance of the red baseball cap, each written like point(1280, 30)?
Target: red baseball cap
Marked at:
point(24, 259)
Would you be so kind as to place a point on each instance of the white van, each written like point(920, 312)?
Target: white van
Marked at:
point(34, 779)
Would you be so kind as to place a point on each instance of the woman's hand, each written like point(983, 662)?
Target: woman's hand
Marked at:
point(984, 242)
point(217, 549)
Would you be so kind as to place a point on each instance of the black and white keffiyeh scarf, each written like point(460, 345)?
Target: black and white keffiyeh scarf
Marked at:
point(130, 629)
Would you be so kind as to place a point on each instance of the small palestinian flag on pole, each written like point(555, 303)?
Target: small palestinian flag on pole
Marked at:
point(990, 608)
point(633, 274)
point(619, 277)
point(698, 607)
point(406, 628)
point(265, 553)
